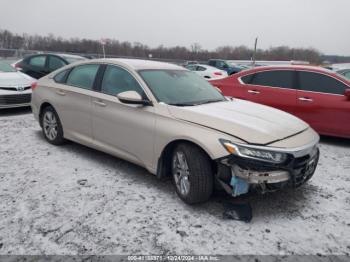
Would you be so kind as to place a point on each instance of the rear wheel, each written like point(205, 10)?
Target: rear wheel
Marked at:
point(192, 173)
point(51, 126)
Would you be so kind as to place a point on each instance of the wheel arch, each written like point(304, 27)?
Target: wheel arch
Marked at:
point(164, 161)
point(41, 109)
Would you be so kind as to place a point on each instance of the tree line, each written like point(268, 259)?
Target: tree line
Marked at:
point(113, 47)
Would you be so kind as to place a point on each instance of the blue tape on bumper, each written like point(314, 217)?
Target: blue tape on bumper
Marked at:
point(239, 185)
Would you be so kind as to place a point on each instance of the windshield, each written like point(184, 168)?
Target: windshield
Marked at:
point(345, 74)
point(4, 67)
point(180, 88)
point(71, 59)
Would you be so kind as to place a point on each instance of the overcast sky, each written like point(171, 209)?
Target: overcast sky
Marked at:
point(322, 24)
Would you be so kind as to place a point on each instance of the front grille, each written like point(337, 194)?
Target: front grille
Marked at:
point(14, 88)
point(15, 99)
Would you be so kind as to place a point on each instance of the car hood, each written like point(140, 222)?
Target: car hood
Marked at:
point(251, 122)
point(10, 79)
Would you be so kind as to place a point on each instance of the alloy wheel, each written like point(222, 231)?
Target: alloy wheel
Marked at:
point(181, 173)
point(50, 125)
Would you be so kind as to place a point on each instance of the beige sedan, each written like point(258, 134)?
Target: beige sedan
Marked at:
point(174, 123)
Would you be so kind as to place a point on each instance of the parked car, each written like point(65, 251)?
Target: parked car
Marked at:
point(174, 123)
point(318, 96)
point(345, 72)
point(208, 72)
point(225, 65)
point(190, 63)
point(40, 65)
point(15, 87)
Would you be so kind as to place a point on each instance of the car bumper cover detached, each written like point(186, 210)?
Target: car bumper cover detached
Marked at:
point(237, 174)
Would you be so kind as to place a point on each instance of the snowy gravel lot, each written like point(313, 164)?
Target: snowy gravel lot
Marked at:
point(75, 200)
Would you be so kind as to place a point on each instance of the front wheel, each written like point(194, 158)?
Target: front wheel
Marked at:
point(192, 173)
point(51, 126)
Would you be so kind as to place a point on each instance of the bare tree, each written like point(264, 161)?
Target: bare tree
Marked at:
point(116, 48)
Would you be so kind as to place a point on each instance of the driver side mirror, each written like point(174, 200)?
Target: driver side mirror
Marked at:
point(133, 98)
point(347, 93)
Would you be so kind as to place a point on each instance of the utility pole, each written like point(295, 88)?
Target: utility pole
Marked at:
point(254, 54)
point(103, 43)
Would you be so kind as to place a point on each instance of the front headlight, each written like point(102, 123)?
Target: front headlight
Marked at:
point(254, 153)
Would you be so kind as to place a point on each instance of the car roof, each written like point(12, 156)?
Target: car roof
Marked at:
point(138, 64)
point(67, 55)
point(56, 54)
point(287, 67)
point(314, 69)
point(214, 59)
point(343, 70)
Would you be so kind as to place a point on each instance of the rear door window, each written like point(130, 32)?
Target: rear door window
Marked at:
point(38, 61)
point(278, 78)
point(310, 81)
point(83, 76)
point(55, 63)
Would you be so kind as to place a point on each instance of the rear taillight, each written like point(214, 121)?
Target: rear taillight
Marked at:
point(18, 65)
point(218, 73)
point(34, 85)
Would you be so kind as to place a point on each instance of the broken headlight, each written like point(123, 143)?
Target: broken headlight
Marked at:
point(254, 153)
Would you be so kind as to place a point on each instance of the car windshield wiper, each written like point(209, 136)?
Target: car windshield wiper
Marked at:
point(197, 103)
point(181, 104)
point(209, 101)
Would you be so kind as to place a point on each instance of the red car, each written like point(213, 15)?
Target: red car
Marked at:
point(316, 95)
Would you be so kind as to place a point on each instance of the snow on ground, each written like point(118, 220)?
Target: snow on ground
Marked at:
point(75, 200)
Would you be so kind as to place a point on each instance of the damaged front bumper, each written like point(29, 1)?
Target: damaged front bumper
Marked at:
point(237, 174)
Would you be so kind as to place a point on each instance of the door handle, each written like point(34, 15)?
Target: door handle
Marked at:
point(254, 92)
point(100, 103)
point(60, 92)
point(305, 99)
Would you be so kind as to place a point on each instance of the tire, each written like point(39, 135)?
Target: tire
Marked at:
point(51, 126)
point(191, 168)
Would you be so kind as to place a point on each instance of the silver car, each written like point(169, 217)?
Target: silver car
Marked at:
point(15, 87)
point(174, 123)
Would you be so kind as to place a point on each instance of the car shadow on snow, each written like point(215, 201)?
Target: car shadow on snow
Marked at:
point(335, 141)
point(286, 203)
point(120, 166)
point(15, 111)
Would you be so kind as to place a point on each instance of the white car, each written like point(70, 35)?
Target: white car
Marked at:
point(206, 71)
point(15, 87)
